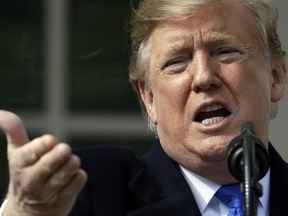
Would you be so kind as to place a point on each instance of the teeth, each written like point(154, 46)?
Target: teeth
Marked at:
point(212, 108)
point(212, 120)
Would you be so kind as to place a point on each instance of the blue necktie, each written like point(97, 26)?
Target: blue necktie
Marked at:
point(232, 196)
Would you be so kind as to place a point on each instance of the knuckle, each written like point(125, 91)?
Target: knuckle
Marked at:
point(49, 139)
point(61, 178)
point(46, 166)
point(31, 155)
point(57, 181)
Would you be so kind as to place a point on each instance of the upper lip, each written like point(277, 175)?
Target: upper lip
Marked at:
point(205, 105)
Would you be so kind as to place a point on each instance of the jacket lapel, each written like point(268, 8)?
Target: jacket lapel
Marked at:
point(160, 187)
point(278, 183)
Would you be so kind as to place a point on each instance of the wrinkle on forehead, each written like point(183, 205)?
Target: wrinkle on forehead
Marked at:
point(186, 41)
point(223, 25)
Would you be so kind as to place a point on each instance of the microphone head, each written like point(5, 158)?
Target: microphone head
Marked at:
point(236, 161)
point(235, 158)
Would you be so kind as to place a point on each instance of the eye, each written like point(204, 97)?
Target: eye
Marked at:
point(226, 51)
point(175, 61)
point(177, 65)
point(227, 54)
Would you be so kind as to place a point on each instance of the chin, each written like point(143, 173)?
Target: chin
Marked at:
point(215, 152)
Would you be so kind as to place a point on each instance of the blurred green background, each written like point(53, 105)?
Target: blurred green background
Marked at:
point(85, 98)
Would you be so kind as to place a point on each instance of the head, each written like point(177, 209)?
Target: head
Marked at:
point(190, 57)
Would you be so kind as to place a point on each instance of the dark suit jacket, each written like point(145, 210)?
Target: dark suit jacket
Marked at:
point(120, 183)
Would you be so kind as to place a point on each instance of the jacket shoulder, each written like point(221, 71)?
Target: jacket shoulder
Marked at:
point(109, 170)
point(106, 157)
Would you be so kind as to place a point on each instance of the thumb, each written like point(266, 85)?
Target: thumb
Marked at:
point(14, 129)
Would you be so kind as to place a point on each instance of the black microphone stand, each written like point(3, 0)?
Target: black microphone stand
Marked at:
point(248, 161)
point(252, 188)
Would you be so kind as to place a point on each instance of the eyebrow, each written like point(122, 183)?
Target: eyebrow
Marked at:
point(213, 38)
point(216, 37)
point(179, 46)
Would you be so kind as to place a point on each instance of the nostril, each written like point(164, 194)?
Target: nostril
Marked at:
point(205, 83)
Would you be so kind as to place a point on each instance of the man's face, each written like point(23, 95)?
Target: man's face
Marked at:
point(208, 76)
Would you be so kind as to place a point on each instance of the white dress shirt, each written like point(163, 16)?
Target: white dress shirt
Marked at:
point(2, 207)
point(204, 191)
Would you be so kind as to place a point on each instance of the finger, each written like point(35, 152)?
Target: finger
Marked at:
point(31, 152)
point(64, 174)
point(50, 162)
point(73, 188)
point(68, 194)
point(13, 128)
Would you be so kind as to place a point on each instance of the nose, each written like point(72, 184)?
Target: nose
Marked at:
point(205, 73)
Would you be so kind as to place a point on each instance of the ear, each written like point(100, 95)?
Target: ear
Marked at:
point(148, 99)
point(279, 81)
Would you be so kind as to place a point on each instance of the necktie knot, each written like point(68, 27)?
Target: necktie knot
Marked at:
point(232, 196)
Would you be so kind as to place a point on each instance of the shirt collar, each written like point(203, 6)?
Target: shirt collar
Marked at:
point(204, 189)
point(264, 200)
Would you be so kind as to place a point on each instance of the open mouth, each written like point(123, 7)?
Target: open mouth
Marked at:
point(212, 114)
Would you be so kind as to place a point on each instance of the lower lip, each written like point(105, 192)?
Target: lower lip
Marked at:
point(215, 127)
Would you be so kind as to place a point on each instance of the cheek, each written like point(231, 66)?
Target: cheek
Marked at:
point(248, 79)
point(172, 90)
point(252, 90)
point(171, 93)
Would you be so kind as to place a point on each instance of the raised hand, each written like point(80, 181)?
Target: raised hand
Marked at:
point(45, 177)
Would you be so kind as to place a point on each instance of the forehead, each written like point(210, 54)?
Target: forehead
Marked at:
point(217, 21)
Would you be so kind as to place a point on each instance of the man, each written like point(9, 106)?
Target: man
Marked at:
point(201, 69)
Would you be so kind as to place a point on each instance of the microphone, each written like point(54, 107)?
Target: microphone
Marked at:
point(248, 161)
point(236, 155)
